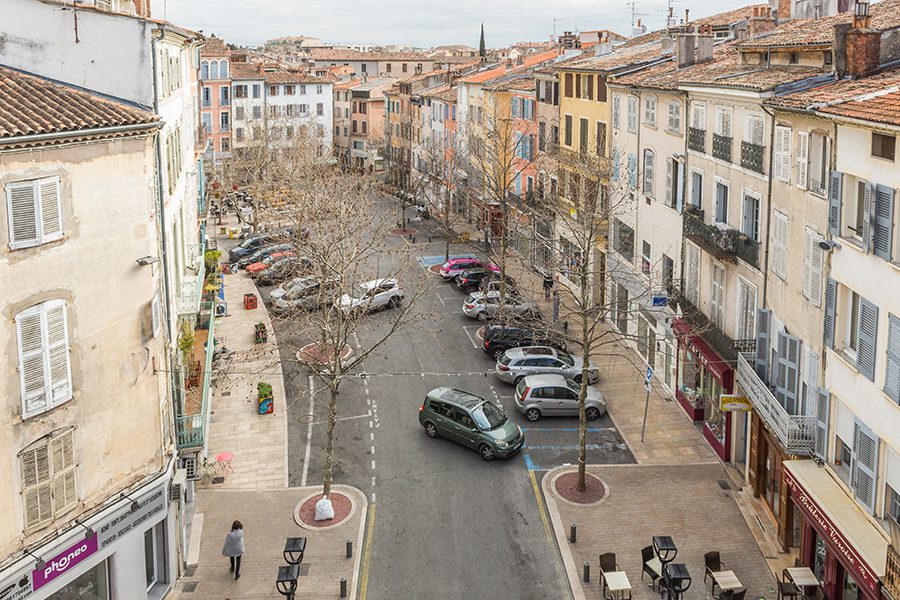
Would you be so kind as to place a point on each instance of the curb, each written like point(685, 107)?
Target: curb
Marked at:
point(559, 532)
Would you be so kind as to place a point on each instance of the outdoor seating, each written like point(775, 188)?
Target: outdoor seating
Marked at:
point(737, 594)
point(651, 565)
point(616, 585)
point(787, 588)
point(675, 580)
point(713, 564)
point(608, 562)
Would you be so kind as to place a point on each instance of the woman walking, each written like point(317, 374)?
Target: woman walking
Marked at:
point(234, 548)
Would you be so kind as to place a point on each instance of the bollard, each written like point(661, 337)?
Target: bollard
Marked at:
point(573, 530)
point(343, 587)
point(413, 239)
point(349, 548)
point(587, 571)
point(429, 239)
point(409, 236)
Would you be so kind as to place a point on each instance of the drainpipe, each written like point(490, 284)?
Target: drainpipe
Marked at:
point(769, 208)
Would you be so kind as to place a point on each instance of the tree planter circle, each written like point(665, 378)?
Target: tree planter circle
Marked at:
point(316, 354)
point(563, 485)
point(436, 269)
point(305, 511)
point(404, 231)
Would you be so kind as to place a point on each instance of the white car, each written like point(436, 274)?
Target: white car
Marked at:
point(307, 293)
point(375, 294)
point(287, 286)
point(481, 306)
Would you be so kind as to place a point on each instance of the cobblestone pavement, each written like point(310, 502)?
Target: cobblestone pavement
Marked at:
point(686, 502)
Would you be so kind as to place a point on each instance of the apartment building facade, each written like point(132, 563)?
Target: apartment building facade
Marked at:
point(215, 96)
point(367, 124)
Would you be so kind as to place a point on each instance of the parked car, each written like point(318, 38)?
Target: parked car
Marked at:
point(378, 293)
point(455, 266)
point(471, 280)
point(258, 267)
point(262, 253)
point(287, 286)
point(306, 294)
point(554, 395)
point(283, 269)
point(248, 247)
point(470, 420)
point(481, 306)
point(517, 363)
point(492, 284)
point(499, 339)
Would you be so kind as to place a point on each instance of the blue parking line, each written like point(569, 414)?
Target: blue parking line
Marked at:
point(566, 446)
point(529, 464)
point(589, 429)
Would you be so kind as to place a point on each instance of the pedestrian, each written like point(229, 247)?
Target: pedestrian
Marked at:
point(234, 548)
point(548, 285)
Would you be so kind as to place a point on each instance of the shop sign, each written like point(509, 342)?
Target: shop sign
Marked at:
point(836, 541)
point(65, 560)
point(120, 525)
point(734, 403)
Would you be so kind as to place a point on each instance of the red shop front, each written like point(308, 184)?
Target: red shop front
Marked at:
point(845, 550)
point(703, 376)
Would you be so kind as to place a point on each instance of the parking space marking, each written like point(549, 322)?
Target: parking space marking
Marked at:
point(542, 511)
point(469, 335)
point(589, 429)
point(312, 402)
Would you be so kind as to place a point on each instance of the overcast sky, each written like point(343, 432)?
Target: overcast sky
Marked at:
point(417, 22)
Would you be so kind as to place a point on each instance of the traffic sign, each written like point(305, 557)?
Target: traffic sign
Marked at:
point(649, 376)
point(648, 386)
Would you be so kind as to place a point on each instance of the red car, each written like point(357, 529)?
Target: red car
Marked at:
point(259, 267)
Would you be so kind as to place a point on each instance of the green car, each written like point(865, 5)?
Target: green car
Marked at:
point(470, 420)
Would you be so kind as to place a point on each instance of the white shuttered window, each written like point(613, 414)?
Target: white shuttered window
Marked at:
point(779, 245)
point(35, 213)
point(802, 159)
point(48, 478)
point(813, 268)
point(783, 153)
point(45, 375)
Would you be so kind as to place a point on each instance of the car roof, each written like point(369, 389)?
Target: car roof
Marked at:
point(545, 380)
point(377, 282)
point(457, 397)
point(531, 351)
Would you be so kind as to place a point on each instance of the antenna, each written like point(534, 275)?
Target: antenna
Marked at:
point(555, 21)
point(632, 5)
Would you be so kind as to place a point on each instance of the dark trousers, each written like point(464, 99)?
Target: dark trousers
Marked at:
point(235, 565)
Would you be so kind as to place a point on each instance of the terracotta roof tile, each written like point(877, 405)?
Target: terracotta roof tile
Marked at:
point(518, 83)
point(289, 76)
point(335, 54)
point(531, 60)
point(723, 19)
point(635, 55)
point(246, 71)
point(881, 109)
point(214, 46)
point(32, 105)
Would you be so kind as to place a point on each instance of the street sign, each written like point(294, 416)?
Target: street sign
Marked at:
point(659, 300)
point(649, 376)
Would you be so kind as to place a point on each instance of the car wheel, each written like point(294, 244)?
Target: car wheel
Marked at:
point(394, 302)
point(532, 414)
point(430, 430)
point(482, 316)
point(517, 380)
point(498, 352)
point(592, 413)
point(487, 453)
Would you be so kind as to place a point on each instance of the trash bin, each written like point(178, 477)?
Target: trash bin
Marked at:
point(250, 301)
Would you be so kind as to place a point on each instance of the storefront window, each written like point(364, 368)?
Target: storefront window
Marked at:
point(819, 559)
point(715, 418)
point(90, 585)
point(851, 590)
point(689, 377)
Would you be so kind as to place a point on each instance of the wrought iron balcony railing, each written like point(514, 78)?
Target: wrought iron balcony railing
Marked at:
point(697, 139)
point(722, 147)
point(190, 429)
point(752, 156)
point(722, 242)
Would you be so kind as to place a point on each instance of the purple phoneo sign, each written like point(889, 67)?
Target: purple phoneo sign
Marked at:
point(62, 562)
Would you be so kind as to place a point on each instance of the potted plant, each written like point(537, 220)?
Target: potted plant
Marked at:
point(264, 396)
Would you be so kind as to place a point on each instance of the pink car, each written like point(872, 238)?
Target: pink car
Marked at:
point(455, 266)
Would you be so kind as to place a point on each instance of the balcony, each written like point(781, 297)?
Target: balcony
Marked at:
point(224, 101)
point(192, 417)
point(752, 156)
point(797, 433)
point(697, 139)
point(722, 147)
point(891, 578)
point(722, 242)
point(190, 291)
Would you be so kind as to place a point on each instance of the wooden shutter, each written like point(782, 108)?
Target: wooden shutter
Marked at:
point(578, 86)
point(22, 210)
point(782, 153)
point(632, 170)
point(813, 268)
point(788, 369)
point(867, 217)
point(892, 369)
point(36, 485)
point(864, 462)
point(830, 306)
point(761, 362)
point(51, 218)
point(670, 181)
point(590, 87)
point(62, 455)
point(679, 186)
point(568, 85)
point(58, 351)
point(867, 333)
point(802, 159)
point(823, 406)
point(615, 167)
point(648, 173)
point(32, 367)
point(834, 202)
point(810, 375)
point(883, 230)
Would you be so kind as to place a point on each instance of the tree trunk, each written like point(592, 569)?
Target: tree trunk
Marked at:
point(584, 297)
point(329, 437)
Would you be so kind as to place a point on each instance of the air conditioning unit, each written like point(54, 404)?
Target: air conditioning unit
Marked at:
point(179, 482)
point(189, 466)
point(222, 309)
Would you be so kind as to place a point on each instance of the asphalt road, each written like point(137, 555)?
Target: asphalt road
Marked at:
point(447, 524)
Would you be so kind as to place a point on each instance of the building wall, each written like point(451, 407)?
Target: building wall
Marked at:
point(341, 119)
point(242, 111)
point(318, 126)
point(219, 134)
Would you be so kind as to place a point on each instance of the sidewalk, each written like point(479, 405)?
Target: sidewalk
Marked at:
point(256, 492)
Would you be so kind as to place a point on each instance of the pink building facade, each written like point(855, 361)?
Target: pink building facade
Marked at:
point(215, 97)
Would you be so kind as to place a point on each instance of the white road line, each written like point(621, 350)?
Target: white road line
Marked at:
point(341, 419)
point(312, 394)
point(373, 464)
point(371, 436)
point(441, 299)
point(370, 423)
point(373, 450)
point(373, 497)
point(471, 339)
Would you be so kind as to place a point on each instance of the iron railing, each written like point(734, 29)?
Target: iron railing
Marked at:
point(722, 243)
point(722, 147)
point(190, 430)
point(797, 433)
point(697, 139)
point(891, 578)
point(723, 344)
point(752, 156)
point(190, 291)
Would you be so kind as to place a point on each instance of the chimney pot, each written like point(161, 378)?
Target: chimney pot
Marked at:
point(687, 15)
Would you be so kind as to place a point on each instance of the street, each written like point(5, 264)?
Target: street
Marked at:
point(446, 523)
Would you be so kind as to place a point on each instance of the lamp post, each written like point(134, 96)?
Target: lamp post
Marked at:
point(294, 548)
point(286, 583)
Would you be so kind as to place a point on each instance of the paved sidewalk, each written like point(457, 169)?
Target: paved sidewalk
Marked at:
point(683, 501)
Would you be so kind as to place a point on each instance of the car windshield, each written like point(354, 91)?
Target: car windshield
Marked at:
point(521, 387)
point(566, 358)
point(488, 417)
point(359, 291)
point(504, 360)
point(301, 290)
point(573, 385)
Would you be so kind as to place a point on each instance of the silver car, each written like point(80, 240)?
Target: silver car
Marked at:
point(517, 363)
point(554, 395)
point(481, 306)
point(306, 293)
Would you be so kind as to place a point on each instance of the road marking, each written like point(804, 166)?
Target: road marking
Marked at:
point(589, 429)
point(471, 339)
point(569, 446)
point(542, 511)
point(373, 465)
point(340, 419)
point(371, 437)
point(367, 551)
point(441, 299)
point(312, 393)
point(373, 450)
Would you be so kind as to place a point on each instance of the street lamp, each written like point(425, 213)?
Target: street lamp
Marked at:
point(286, 584)
point(294, 548)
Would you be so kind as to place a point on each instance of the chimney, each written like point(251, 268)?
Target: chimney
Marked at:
point(687, 16)
point(603, 47)
point(638, 29)
point(666, 45)
point(784, 10)
point(685, 54)
point(761, 23)
point(705, 45)
point(863, 43)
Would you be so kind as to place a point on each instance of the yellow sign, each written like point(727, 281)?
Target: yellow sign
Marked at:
point(734, 403)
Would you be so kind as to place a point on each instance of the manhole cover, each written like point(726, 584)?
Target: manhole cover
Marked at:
point(305, 418)
point(190, 586)
point(218, 480)
point(724, 484)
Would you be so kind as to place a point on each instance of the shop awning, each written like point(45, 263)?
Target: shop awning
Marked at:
point(709, 357)
point(846, 529)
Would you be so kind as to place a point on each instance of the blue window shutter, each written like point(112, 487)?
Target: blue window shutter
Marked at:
point(834, 203)
point(867, 217)
point(823, 406)
point(830, 306)
point(892, 371)
point(615, 166)
point(867, 334)
point(883, 230)
point(787, 371)
point(632, 170)
point(864, 465)
point(761, 363)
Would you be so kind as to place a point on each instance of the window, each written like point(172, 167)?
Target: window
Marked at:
point(616, 111)
point(650, 111)
point(746, 310)
point(35, 212)
point(649, 168)
point(754, 131)
point(239, 134)
point(692, 274)
point(206, 96)
point(892, 503)
point(404, 67)
point(624, 240)
point(542, 134)
point(204, 70)
point(155, 555)
point(698, 115)
point(214, 69)
point(48, 478)
point(779, 244)
point(864, 462)
point(206, 121)
point(256, 90)
point(717, 301)
point(668, 271)
point(783, 153)
point(320, 109)
point(224, 98)
point(892, 370)
point(226, 145)
point(674, 183)
point(569, 85)
point(674, 124)
point(813, 268)
point(583, 129)
point(388, 67)
point(750, 216)
point(632, 114)
point(601, 138)
point(273, 90)
point(860, 329)
point(723, 121)
point(45, 377)
point(365, 127)
point(568, 132)
point(819, 162)
point(721, 202)
point(802, 159)
point(697, 189)
point(224, 120)
point(240, 91)
point(257, 112)
point(239, 113)
point(883, 146)
point(303, 91)
point(645, 257)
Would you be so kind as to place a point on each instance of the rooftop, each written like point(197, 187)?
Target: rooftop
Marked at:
point(329, 54)
point(214, 46)
point(32, 105)
point(530, 60)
